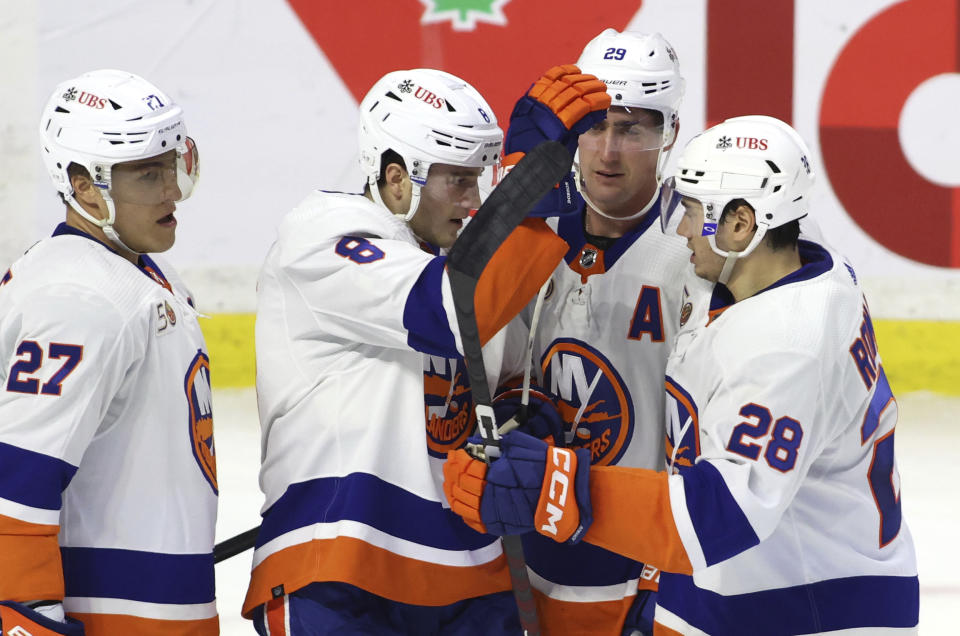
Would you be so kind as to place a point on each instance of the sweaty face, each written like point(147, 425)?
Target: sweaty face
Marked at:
point(706, 263)
point(618, 160)
point(445, 201)
point(144, 193)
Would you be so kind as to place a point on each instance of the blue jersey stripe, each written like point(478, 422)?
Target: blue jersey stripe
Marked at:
point(578, 564)
point(149, 577)
point(424, 316)
point(369, 500)
point(845, 603)
point(33, 479)
point(722, 528)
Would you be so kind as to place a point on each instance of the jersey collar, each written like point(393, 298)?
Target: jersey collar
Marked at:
point(145, 264)
point(570, 229)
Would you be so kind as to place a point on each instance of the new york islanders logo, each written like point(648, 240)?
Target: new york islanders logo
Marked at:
point(682, 443)
point(591, 395)
point(448, 404)
point(200, 422)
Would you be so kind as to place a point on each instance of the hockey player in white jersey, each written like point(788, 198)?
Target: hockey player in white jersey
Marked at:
point(108, 482)
point(608, 320)
point(781, 510)
point(354, 304)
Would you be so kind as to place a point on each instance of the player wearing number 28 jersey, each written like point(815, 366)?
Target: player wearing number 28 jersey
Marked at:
point(780, 510)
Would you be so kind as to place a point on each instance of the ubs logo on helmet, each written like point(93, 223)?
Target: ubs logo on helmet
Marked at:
point(200, 421)
point(448, 404)
point(592, 398)
point(428, 97)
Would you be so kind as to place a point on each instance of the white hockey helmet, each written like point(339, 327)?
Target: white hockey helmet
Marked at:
point(107, 117)
point(425, 116)
point(641, 71)
point(756, 158)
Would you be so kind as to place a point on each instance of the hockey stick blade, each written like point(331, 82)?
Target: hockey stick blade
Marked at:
point(532, 178)
point(235, 545)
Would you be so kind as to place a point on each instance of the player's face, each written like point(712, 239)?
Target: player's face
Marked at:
point(707, 264)
point(618, 160)
point(144, 193)
point(445, 201)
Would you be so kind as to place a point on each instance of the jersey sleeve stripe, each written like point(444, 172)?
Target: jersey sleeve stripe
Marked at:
point(721, 526)
point(122, 624)
point(113, 573)
point(424, 316)
point(616, 494)
point(29, 561)
point(33, 479)
point(333, 499)
point(519, 267)
point(824, 606)
point(380, 572)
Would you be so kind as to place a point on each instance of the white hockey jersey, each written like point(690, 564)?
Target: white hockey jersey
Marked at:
point(106, 437)
point(785, 496)
point(351, 311)
point(606, 328)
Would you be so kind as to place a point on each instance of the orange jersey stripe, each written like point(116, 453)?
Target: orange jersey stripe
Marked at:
point(661, 630)
point(632, 517)
point(29, 561)
point(519, 267)
point(113, 624)
point(374, 569)
point(567, 617)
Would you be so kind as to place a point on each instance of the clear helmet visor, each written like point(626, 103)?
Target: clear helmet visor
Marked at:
point(171, 176)
point(625, 130)
point(452, 186)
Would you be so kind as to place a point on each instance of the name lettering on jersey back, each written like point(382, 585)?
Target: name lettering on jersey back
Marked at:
point(864, 350)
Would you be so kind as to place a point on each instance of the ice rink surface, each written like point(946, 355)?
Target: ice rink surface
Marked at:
point(928, 456)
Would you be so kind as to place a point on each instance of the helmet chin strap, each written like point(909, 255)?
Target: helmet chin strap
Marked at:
point(732, 256)
point(414, 198)
point(104, 224)
point(582, 187)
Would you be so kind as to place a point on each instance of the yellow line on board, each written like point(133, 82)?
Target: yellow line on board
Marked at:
point(918, 355)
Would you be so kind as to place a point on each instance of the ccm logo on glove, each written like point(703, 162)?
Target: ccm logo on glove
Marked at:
point(553, 518)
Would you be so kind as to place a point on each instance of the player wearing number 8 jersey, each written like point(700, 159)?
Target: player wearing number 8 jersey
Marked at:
point(352, 307)
point(780, 513)
point(108, 483)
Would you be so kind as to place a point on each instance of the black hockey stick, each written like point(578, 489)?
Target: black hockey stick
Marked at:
point(235, 545)
point(506, 207)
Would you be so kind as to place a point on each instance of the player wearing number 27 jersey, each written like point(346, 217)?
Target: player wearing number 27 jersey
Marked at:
point(108, 482)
